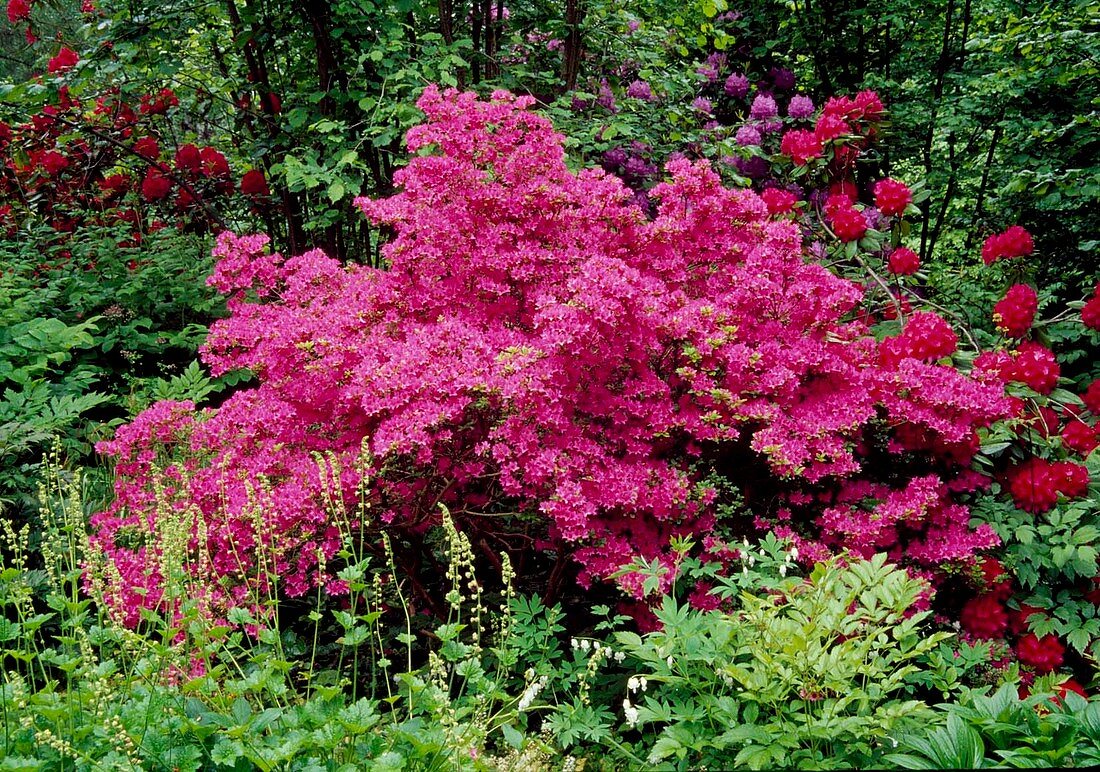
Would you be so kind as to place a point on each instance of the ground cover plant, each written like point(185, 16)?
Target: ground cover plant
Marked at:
point(543, 388)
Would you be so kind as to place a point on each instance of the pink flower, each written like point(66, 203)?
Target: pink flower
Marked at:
point(903, 262)
point(1015, 313)
point(800, 146)
point(892, 197)
point(1014, 242)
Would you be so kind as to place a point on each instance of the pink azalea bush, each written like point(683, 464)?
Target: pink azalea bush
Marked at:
point(538, 345)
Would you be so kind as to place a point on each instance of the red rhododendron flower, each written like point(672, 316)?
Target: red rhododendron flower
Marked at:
point(984, 617)
point(66, 58)
point(830, 127)
point(155, 186)
point(253, 183)
point(114, 184)
point(151, 105)
point(892, 196)
point(1081, 437)
point(1044, 654)
point(1091, 397)
point(188, 159)
point(1034, 365)
point(1090, 314)
point(1014, 242)
point(995, 580)
point(1017, 618)
point(1072, 479)
point(903, 262)
point(1034, 485)
point(868, 106)
point(272, 103)
point(800, 146)
point(927, 336)
point(1015, 313)
point(847, 223)
point(53, 162)
point(778, 201)
point(214, 163)
point(147, 147)
point(18, 10)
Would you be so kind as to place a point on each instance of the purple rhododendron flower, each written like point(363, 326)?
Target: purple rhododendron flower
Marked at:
point(800, 107)
point(737, 86)
point(763, 107)
point(639, 89)
point(748, 135)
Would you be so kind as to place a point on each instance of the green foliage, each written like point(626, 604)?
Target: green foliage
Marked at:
point(1002, 729)
point(90, 333)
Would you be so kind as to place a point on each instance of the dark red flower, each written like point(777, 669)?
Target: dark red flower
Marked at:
point(1091, 397)
point(66, 58)
point(1080, 437)
point(1090, 314)
point(147, 147)
point(214, 163)
point(18, 10)
point(1044, 654)
point(155, 186)
point(984, 617)
point(188, 159)
point(253, 183)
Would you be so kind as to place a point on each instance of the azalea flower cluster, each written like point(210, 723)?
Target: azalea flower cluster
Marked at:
point(538, 344)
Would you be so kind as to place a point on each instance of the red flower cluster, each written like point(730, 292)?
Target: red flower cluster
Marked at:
point(995, 580)
point(846, 221)
point(1079, 436)
point(159, 104)
point(903, 262)
point(1015, 313)
point(1014, 242)
point(1091, 397)
point(1044, 654)
point(66, 59)
point(147, 148)
point(892, 196)
point(866, 106)
point(984, 617)
point(1090, 314)
point(926, 336)
point(800, 146)
point(156, 185)
point(188, 159)
point(253, 183)
point(1035, 366)
point(1036, 483)
point(18, 10)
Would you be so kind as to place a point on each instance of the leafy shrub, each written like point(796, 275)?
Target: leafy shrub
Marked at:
point(809, 675)
point(982, 730)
